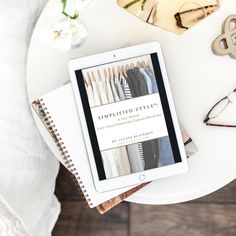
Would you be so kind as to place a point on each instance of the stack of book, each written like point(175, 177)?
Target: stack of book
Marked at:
point(58, 112)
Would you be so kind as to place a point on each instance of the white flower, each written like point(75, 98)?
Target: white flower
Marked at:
point(65, 34)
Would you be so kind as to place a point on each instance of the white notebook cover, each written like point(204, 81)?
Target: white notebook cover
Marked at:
point(62, 108)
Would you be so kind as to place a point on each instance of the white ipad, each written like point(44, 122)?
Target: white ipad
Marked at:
point(128, 117)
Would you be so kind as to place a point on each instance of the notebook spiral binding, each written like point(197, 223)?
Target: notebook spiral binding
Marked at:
point(48, 122)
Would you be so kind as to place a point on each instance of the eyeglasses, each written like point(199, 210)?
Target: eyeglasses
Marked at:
point(190, 13)
point(172, 15)
point(218, 109)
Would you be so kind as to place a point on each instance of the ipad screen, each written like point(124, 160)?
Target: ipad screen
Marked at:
point(128, 116)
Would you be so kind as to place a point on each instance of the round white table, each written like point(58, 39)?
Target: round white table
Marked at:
point(198, 79)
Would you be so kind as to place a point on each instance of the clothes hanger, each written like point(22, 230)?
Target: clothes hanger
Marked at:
point(110, 73)
point(139, 65)
point(143, 63)
point(86, 82)
point(105, 73)
point(89, 78)
point(132, 65)
point(93, 77)
point(149, 64)
point(120, 72)
point(124, 69)
point(127, 68)
point(114, 72)
point(99, 75)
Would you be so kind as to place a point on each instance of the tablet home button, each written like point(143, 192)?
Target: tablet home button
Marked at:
point(142, 177)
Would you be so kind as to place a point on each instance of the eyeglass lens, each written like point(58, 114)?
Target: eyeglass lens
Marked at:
point(219, 108)
point(190, 13)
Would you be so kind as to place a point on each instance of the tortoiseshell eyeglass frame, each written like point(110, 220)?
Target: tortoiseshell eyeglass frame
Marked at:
point(205, 9)
point(207, 118)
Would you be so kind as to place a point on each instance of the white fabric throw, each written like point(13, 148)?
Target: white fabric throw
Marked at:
point(27, 168)
point(10, 224)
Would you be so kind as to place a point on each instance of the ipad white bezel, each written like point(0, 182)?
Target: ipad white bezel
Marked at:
point(111, 57)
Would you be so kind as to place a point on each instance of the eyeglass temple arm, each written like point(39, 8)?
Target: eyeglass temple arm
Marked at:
point(219, 125)
point(207, 118)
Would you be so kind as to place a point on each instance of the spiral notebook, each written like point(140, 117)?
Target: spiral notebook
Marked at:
point(58, 111)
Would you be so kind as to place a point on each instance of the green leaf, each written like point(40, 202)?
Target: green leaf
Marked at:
point(74, 17)
point(63, 4)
